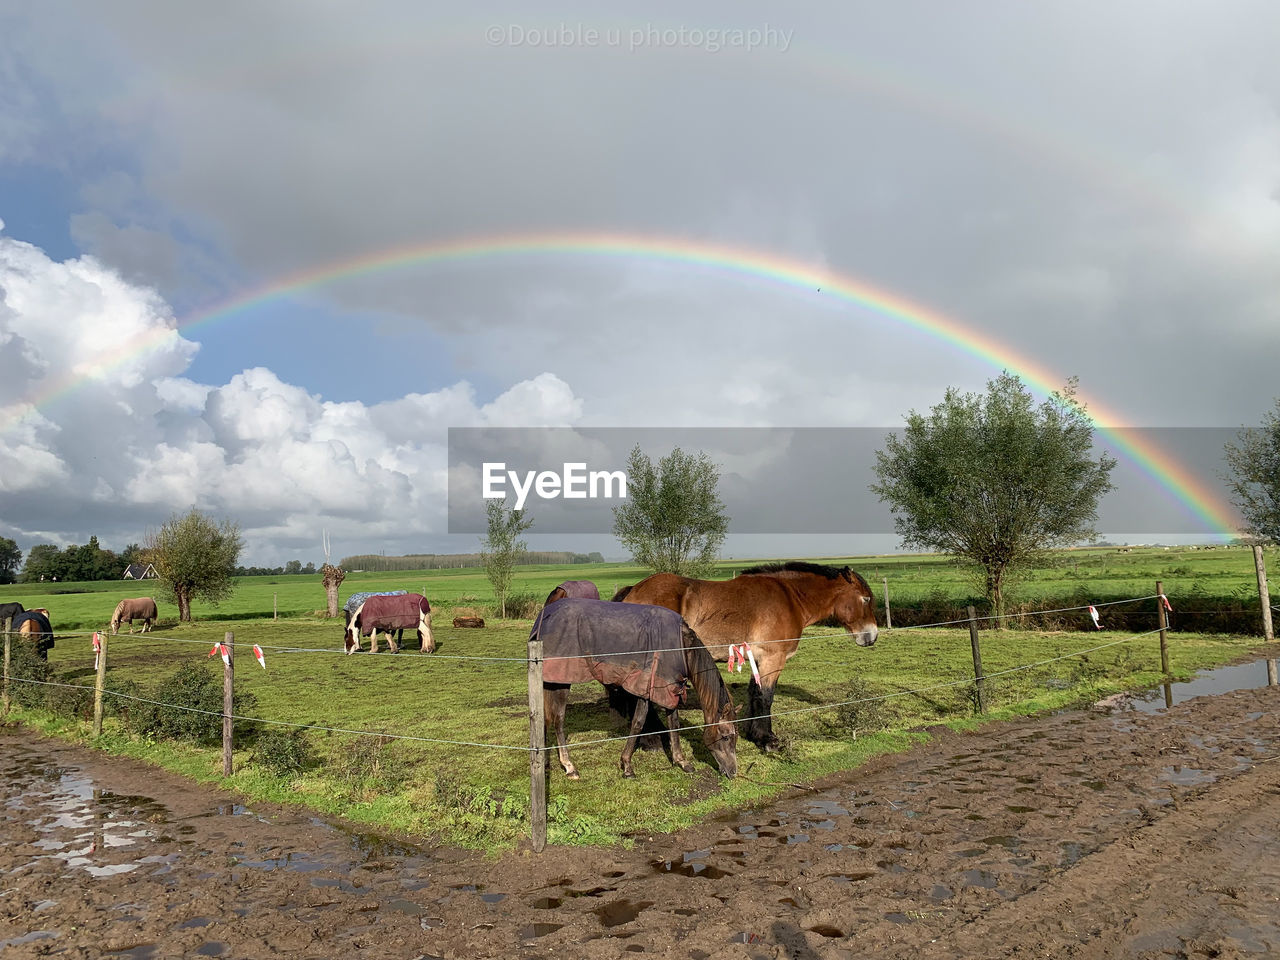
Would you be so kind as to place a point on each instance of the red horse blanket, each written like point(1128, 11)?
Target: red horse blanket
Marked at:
point(392, 612)
point(632, 645)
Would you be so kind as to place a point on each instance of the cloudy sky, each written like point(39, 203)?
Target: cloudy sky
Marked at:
point(1093, 186)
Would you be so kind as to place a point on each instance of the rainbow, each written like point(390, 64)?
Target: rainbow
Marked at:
point(1184, 487)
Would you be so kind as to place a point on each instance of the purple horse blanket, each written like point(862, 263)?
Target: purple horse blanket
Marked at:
point(580, 589)
point(631, 645)
point(392, 612)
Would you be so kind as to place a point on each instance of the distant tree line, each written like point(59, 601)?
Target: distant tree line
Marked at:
point(292, 567)
point(443, 561)
point(45, 561)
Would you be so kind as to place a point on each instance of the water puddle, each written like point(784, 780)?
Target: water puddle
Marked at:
point(1243, 676)
point(534, 930)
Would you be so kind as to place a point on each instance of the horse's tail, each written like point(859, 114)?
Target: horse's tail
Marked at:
point(713, 693)
point(622, 594)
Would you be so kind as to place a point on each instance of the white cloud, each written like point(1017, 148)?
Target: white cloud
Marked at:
point(105, 435)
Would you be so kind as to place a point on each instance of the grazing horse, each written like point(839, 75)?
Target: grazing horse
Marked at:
point(648, 651)
point(35, 625)
point(390, 613)
point(8, 610)
point(581, 589)
point(354, 601)
point(137, 608)
point(766, 607)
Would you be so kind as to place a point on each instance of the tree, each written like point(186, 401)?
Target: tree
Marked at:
point(673, 519)
point(1255, 481)
point(10, 558)
point(995, 480)
point(194, 558)
point(44, 560)
point(293, 567)
point(502, 549)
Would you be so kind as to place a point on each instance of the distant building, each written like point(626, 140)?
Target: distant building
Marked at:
point(138, 571)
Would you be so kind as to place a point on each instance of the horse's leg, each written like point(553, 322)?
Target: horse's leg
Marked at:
point(373, 641)
point(677, 753)
point(759, 729)
point(424, 626)
point(554, 700)
point(393, 640)
point(633, 737)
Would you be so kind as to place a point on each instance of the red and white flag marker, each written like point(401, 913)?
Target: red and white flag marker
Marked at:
point(97, 648)
point(1165, 600)
point(222, 649)
point(257, 655)
point(1093, 612)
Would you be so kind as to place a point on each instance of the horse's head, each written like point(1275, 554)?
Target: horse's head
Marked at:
point(721, 739)
point(855, 608)
point(351, 633)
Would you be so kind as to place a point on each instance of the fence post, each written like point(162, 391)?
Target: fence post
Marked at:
point(537, 751)
point(99, 683)
point(977, 658)
point(275, 610)
point(888, 616)
point(1264, 595)
point(228, 702)
point(1163, 622)
point(1271, 673)
point(8, 623)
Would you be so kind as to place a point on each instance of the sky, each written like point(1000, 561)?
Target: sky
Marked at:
point(218, 286)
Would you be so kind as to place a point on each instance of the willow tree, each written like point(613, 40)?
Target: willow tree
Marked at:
point(1254, 481)
point(331, 577)
point(995, 479)
point(194, 558)
point(672, 520)
point(501, 549)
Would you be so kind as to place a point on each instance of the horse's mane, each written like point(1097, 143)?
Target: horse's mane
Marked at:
point(706, 679)
point(796, 566)
point(618, 597)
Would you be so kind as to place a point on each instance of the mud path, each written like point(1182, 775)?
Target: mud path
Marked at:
point(1081, 835)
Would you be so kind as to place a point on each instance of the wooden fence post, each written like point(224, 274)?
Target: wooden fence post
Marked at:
point(888, 616)
point(1163, 622)
point(977, 658)
point(1271, 673)
point(1264, 595)
point(228, 701)
point(275, 610)
point(537, 751)
point(99, 683)
point(8, 623)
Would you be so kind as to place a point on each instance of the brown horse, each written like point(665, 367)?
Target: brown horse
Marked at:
point(648, 651)
point(766, 607)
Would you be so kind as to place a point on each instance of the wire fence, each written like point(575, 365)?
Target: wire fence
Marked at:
point(525, 662)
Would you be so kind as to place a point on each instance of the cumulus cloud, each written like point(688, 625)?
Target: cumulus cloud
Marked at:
point(101, 432)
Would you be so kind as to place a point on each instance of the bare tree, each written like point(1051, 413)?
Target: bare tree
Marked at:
point(331, 577)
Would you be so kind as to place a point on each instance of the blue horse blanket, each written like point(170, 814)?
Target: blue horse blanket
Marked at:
point(631, 645)
point(356, 599)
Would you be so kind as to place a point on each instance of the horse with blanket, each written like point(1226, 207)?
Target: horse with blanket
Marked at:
point(395, 612)
point(10, 610)
point(648, 651)
point(34, 625)
point(356, 599)
point(135, 608)
point(579, 589)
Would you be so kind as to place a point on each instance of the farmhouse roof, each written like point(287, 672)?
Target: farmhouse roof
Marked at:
point(139, 571)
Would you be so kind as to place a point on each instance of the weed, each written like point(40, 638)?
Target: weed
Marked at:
point(285, 753)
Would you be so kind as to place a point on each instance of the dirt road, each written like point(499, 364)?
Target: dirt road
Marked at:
point(1081, 835)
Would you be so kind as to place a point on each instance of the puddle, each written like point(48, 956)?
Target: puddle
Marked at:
point(1186, 776)
point(621, 911)
point(31, 937)
point(692, 868)
point(211, 949)
point(980, 878)
point(1243, 676)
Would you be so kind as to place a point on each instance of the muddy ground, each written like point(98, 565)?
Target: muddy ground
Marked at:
point(1089, 834)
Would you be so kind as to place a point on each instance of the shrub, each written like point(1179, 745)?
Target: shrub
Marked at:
point(284, 753)
point(189, 707)
point(27, 665)
point(370, 762)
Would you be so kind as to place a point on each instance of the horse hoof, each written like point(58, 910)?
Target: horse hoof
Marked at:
point(772, 745)
point(573, 775)
point(628, 774)
point(686, 767)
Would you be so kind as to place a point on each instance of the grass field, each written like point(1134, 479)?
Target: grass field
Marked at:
point(478, 796)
